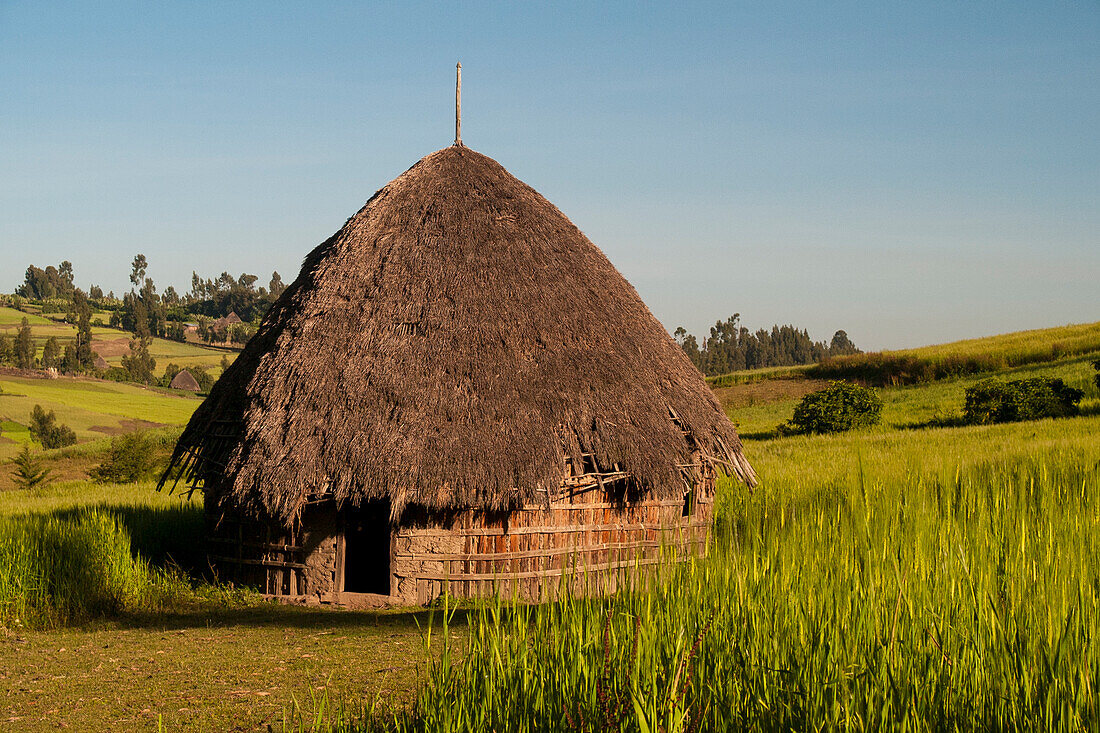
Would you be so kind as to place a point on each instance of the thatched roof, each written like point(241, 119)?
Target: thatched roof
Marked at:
point(100, 362)
point(185, 380)
point(228, 320)
point(448, 347)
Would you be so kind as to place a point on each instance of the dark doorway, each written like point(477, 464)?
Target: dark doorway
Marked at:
point(367, 549)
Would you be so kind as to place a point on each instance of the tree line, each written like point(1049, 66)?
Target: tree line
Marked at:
point(143, 312)
point(146, 313)
point(732, 347)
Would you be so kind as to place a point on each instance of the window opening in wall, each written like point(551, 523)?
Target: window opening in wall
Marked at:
point(367, 549)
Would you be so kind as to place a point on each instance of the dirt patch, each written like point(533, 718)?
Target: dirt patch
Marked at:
point(126, 426)
point(768, 391)
point(114, 347)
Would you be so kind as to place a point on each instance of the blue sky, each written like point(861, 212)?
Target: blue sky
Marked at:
point(912, 173)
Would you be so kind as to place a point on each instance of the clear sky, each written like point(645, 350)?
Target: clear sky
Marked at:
point(911, 172)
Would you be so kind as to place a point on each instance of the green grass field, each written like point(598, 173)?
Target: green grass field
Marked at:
point(905, 577)
point(112, 343)
point(94, 409)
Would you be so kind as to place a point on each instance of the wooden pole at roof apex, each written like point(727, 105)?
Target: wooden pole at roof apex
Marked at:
point(458, 104)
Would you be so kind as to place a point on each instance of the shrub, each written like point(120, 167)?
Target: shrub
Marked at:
point(45, 429)
point(840, 406)
point(991, 401)
point(1096, 366)
point(130, 458)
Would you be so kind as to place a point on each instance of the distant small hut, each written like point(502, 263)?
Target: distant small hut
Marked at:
point(459, 392)
point(186, 381)
point(227, 321)
point(101, 363)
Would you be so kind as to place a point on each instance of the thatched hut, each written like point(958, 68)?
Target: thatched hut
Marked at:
point(459, 391)
point(185, 380)
point(100, 363)
point(227, 321)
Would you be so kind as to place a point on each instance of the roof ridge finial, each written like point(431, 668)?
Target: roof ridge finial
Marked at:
point(458, 104)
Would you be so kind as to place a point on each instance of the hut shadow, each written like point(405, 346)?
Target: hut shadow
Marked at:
point(299, 618)
point(761, 435)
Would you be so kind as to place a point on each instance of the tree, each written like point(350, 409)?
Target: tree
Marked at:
point(5, 349)
point(732, 347)
point(45, 429)
point(65, 272)
point(29, 473)
point(85, 357)
point(23, 355)
point(95, 293)
point(51, 354)
point(135, 316)
point(138, 268)
point(841, 345)
point(70, 364)
point(139, 365)
point(275, 287)
point(690, 346)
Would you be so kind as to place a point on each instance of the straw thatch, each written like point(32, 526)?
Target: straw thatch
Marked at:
point(448, 348)
point(100, 362)
point(227, 321)
point(185, 380)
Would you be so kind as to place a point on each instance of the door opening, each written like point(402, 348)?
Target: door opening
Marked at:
point(367, 549)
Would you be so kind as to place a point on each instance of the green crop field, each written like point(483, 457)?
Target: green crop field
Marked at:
point(912, 576)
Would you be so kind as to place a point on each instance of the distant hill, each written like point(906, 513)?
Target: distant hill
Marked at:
point(960, 358)
point(939, 361)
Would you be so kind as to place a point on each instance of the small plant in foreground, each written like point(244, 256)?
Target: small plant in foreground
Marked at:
point(992, 401)
point(29, 473)
point(840, 406)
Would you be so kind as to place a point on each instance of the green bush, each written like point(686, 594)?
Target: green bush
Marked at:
point(1096, 366)
point(47, 431)
point(840, 406)
point(991, 401)
point(131, 457)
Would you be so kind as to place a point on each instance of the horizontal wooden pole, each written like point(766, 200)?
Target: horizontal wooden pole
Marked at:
point(260, 545)
point(578, 571)
point(547, 552)
point(264, 563)
point(544, 529)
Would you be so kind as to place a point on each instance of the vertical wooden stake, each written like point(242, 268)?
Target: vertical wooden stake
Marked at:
point(458, 104)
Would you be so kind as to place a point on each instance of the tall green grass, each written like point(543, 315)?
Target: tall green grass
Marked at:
point(961, 598)
point(59, 570)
